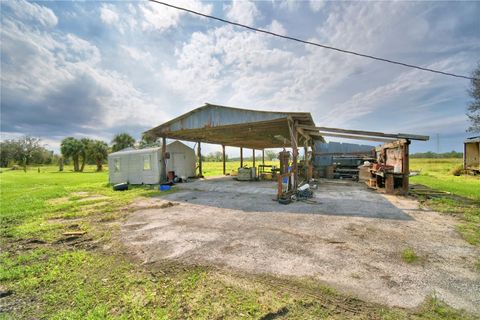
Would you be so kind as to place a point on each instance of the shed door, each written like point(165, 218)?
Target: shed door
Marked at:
point(179, 164)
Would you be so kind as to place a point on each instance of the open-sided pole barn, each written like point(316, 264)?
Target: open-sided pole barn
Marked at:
point(255, 129)
point(241, 128)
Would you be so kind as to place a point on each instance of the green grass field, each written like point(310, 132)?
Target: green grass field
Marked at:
point(437, 174)
point(52, 276)
point(464, 202)
point(212, 169)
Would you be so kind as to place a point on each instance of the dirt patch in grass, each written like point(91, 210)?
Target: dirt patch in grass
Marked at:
point(58, 201)
point(151, 203)
point(466, 210)
point(93, 198)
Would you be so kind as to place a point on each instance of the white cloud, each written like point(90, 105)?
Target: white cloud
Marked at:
point(32, 12)
point(227, 65)
point(277, 27)
point(136, 54)
point(79, 50)
point(317, 5)
point(243, 11)
point(142, 78)
point(406, 85)
point(53, 85)
point(290, 5)
point(159, 17)
point(108, 14)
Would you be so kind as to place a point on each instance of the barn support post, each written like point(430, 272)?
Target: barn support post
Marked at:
point(223, 159)
point(292, 126)
point(253, 157)
point(163, 173)
point(307, 163)
point(199, 152)
point(263, 156)
point(406, 167)
point(241, 157)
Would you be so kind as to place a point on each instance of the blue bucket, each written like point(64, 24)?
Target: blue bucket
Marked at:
point(165, 187)
point(285, 180)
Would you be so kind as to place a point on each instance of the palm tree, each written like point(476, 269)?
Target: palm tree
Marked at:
point(121, 141)
point(148, 141)
point(85, 150)
point(98, 151)
point(72, 148)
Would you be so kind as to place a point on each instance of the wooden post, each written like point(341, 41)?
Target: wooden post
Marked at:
point(241, 157)
point(253, 157)
point(389, 183)
point(307, 163)
point(295, 156)
point(405, 167)
point(223, 159)
point(163, 174)
point(263, 156)
point(199, 153)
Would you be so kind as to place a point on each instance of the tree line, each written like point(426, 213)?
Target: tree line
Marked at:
point(433, 155)
point(28, 150)
point(25, 151)
point(217, 156)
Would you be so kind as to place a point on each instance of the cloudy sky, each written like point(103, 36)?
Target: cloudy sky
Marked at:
point(98, 68)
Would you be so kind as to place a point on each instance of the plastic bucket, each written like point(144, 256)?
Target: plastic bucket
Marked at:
point(165, 187)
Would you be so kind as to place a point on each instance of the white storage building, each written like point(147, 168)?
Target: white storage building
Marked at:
point(143, 166)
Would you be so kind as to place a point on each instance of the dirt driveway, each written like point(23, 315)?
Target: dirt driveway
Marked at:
point(351, 238)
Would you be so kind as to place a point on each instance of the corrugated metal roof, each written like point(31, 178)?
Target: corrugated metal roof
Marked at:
point(232, 126)
point(144, 150)
point(134, 151)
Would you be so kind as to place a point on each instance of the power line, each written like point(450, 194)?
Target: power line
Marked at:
point(314, 43)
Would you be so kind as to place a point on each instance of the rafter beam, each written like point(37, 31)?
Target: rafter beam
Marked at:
point(348, 136)
point(366, 133)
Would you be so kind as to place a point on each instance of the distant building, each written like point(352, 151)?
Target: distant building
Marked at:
point(143, 166)
point(471, 154)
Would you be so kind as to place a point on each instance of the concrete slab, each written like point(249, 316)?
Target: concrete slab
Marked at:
point(333, 197)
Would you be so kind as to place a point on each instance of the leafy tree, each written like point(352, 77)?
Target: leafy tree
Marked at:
point(9, 152)
point(98, 151)
point(121, 141)
point(72, 148)
point(25, 151)
point(473, 112)
point(270, 155)
point(148, 141)
point(29, 147)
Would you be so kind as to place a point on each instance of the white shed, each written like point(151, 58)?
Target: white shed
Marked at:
point(143, 166)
